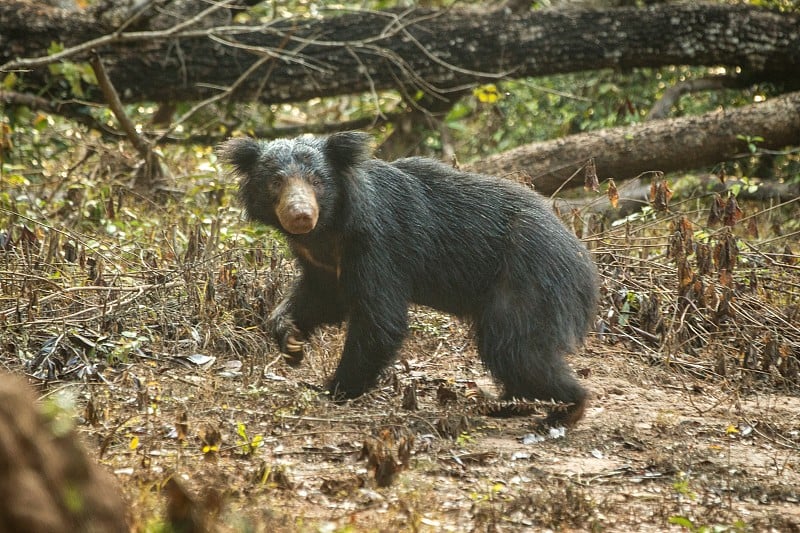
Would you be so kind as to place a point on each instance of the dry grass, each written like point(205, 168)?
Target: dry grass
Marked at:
point(155, 329)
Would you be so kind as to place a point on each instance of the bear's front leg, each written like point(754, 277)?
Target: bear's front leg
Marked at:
point(313, 301)
point(373, 338)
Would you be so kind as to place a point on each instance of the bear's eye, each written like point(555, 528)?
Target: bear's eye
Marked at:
point(315, 181)
point(275, 182)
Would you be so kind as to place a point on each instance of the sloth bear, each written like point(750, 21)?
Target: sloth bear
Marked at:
point(372, 237)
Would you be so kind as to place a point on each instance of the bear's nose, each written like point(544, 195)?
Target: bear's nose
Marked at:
point(297, 207)
point(301, 218)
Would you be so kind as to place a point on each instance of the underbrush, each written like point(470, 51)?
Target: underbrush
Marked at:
point(150, 311)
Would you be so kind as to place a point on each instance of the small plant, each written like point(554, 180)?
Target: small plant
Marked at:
point(681, 487)
point(464, 438)
point(744, 184)
point(684, 490)
point(246, 445)
point(689, 525)
point(751, 141)
point(489, 495)
point(646, 213)
point(630, 306)
point(76, 74)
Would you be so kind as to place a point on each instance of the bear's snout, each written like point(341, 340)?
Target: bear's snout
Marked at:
point(297, 207)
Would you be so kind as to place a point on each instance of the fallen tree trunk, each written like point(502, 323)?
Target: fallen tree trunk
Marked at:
point(669, 145)
point(434, 51)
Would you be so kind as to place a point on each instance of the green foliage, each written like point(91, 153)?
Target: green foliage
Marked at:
point(689, 525)
point(682, 488)
point(75, 74)
point(528, 110)
point(745, 184)
point(788, 6)
point(752, 141)
point(9, 81)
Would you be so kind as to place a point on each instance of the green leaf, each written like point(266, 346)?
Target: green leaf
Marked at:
point(9, 81)
point(681, 521)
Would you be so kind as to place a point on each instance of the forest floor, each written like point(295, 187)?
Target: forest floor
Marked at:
point(656, 448)
point(146, 320)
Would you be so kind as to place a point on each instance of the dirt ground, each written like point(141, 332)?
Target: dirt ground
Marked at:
point(656, 448)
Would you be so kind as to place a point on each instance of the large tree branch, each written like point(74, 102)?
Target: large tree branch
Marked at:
point(659, 145)
point(435, 51)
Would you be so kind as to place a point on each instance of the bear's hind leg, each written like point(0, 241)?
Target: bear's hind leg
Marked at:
point(529, 366)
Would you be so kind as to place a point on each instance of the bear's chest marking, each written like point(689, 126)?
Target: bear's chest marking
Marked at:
point(329, 261)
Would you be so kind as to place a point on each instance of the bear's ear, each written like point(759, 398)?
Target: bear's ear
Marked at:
point(346, 149)
point(242, 153)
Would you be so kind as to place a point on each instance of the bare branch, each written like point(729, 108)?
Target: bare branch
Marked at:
point(216, 98)
point(141, 145)
point(671, 96)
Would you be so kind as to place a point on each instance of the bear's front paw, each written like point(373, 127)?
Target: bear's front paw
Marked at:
point(291, 344)
point(289, 338)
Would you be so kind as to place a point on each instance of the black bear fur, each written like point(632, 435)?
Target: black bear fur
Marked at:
point(418, 231)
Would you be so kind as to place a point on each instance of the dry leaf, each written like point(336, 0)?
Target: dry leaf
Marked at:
point(660, 194)
point(182, 426)
point(410, 398)
point(590, 181)
point(380, 459)
point(725, 278)
point(703, 258)
point(732, 213)
point(685, 277)
point(716, 211)
point(577, 223)
point(726, 252)
point(681, 243)
point(445, 395)
point(613, 194)
point(752, 228)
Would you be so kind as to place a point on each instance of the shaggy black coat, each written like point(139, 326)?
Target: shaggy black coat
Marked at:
point(417, 231)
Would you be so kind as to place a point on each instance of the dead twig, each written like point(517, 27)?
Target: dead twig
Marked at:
point(152, 168)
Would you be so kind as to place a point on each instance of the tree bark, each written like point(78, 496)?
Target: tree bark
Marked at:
point(437, 52)
point(659, 145)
